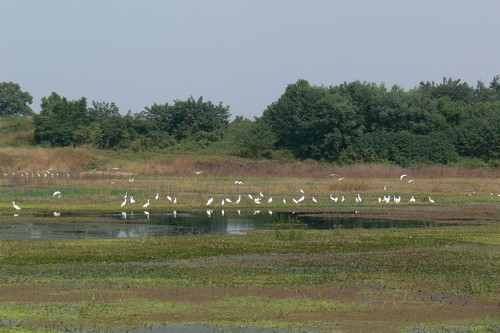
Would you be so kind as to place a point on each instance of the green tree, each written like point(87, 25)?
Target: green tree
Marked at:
point(59, 120)
point(14, 101)
point(255, 139)
point(190, 119)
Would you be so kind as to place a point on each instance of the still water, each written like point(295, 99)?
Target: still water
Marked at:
point(139, 224)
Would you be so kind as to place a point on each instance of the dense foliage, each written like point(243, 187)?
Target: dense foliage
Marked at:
point(365, 122)
point(351, 122)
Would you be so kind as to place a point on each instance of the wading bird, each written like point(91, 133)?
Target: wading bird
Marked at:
point(56, 194)
point(430, 200)
point(16, 207)
point(146, 204)
point(209, 202)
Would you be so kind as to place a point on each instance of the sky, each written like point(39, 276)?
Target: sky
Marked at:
point(240, 53)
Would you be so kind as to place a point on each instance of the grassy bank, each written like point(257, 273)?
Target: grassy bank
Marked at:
point(330, 281)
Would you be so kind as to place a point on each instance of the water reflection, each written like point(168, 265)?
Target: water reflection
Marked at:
point(139, 224)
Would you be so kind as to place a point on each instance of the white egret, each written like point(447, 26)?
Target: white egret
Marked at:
point(157, 196)
point(341, 178)
point(403, 176)
point(314, 200)
point(261, 194)
point(209, 202)
point(257, 201)
point(270, 200)
point(397, 199)
point(124, 202)
point(301, 191)
point(132, 201)
point(175, 200)
point(430, 200)
point(198, 172)
point(301, 199)
point(169, 198)
point(146, 204)
point(412, 199)
point(229, 200)
point(15, 206)
point(239, 199)
point(56, 194)
point(295, 200)
point(411, 180)
point(125, 196)
point(284, 201)
point(57, 214)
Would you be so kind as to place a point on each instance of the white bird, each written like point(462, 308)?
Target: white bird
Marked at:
point(229, 200)
point(403, 176)
point(157, 196)
point(358, 198)
point(314, 200)
point(146, 204)
point(175, 200)
point(15, 206)
point(56, 194)
point(411, 180)
point(284, 201)
point(57, 214)
point(198, 172)
point(295, 200)
point(209, 202)
point(125, 196)
point(341, 178)
point(250, 196)
point(301, 191)
point(223, 201)
point(131, 179)
point(301, 199)
point(412, 199)
point(239, 199)
point(124, 202)
point(430, 200)
point(342, 199)
point(257, 200)
point(261, 194)
point(146, 213)
point(169, 198)
point(270, 200)
point(132, 201)
point(397, 199)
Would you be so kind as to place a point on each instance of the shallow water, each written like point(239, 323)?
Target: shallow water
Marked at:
point(140, 224)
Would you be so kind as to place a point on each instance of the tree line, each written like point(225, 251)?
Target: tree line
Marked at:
point(347, 123)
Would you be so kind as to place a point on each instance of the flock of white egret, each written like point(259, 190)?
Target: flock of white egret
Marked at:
point(256, 199)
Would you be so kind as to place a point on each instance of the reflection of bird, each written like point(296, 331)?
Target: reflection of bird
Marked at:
point(15, 206)
point(56, 194)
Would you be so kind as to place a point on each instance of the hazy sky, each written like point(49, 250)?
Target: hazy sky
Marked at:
point(240, 53)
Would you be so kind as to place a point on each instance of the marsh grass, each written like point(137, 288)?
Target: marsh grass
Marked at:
point(393, 269)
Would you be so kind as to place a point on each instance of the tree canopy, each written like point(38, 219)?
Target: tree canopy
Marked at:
point(14, 101)
point(350, 122)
